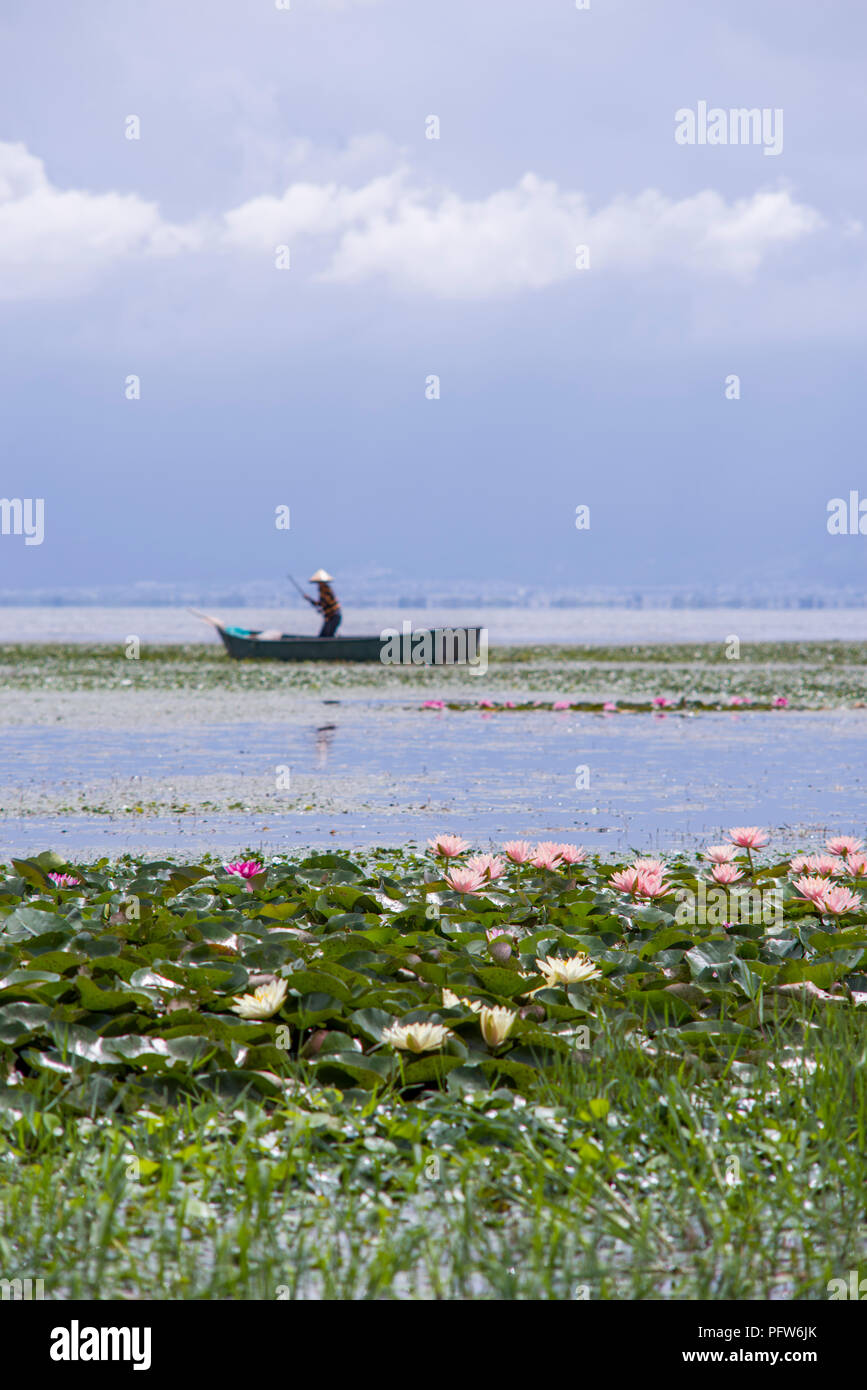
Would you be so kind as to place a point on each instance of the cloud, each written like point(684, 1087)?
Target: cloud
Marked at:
point(525, 238)
point(309, 210)
point(57, 241)
point(389, 229)
point(517, 239)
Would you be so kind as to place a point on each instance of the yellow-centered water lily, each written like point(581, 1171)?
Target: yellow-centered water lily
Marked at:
point(416, 1037)
point(567, 970)
point(496, 1023)
point(453, 1001)
point(263, 1002)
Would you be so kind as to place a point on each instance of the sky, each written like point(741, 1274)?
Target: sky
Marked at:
point(564, 378)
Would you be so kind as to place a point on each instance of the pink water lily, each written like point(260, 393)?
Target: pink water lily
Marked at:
point(838, 900)
point(464, 880)
point(610, 707)
point(856, 865)
point(748, 836)
point(561, 704)
point(493, 932)
point(624, 880)
point(661, 702)
point(720, 854)
point(843, 844)
point(812, 888)
point(487, 704)
point(651, 885)
point(433, 704)
point(726, 873)
point(64, 880)
point(572, 854)
point(653, 866)
point(546, 855)
point(448, 846)
point(825, 865)
point(741, 700)
point(486, 865)
point(245, 868)
point(519, 851)
point(780, 702)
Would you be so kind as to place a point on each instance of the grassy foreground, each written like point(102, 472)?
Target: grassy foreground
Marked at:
point(809, 674)
point(692, 1123)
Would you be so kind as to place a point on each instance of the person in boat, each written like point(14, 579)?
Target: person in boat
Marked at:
point(326, 603)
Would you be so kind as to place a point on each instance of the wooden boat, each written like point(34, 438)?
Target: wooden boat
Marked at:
point(269, 645)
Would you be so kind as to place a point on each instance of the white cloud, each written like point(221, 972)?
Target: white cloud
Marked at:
point(389, 229)
point(525, 238)
point(54, 240)
point(309, 209)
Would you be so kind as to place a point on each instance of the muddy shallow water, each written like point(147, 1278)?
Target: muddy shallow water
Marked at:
point(363, 772)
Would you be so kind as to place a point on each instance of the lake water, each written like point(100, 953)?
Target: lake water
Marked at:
point(378, 772)
point(596, 626)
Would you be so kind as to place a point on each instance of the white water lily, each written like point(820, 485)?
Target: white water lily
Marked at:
point(416, 1037)
point(263, 1002)
point(453, 1001)
point(569, 970)
point(497, 1023)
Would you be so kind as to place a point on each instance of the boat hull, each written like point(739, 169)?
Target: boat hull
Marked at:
point(245, 645)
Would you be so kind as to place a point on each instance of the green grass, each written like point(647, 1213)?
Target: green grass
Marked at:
point(671, 1187)
point(706, 1139)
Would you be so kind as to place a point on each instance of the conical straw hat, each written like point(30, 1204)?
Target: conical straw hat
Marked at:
point(321, 577)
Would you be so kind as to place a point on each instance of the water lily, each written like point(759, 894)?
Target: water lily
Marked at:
point(433, 704)
point(825, 865)
point(453, 1001)
point(650, 884)
point(416, 1037)
point(487, 865)
point(624, 880)
point(749, 836)
point(567, 970)
point(493, 932)
point(780, 702)
point(464, 880)
point(610, 707)
point(812, 888)
point(726, 873)
point(838, 900)
point(572, 854)
point(264, 1002)
point(245, 868)
point(519, 851)
point(720, 854)
point(546, 855)
point(448, 846)
point(64, 880)
point(496, 1024)
point(561, 704)
point(843, 844)
point(661, 702)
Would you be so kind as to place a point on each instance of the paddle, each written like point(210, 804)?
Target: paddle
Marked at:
point(301, 591)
